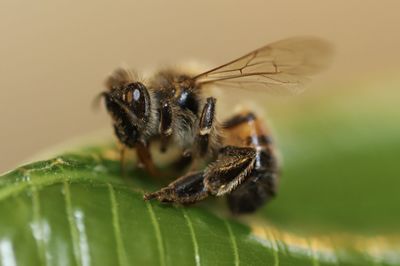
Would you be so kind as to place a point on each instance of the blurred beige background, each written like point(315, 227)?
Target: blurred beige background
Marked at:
point(54, 55)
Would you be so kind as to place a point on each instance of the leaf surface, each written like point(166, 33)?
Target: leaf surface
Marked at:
point(338, 203)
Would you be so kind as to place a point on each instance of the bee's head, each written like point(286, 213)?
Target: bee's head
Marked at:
point(129, 106)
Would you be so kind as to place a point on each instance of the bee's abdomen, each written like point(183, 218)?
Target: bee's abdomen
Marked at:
point(246, 130)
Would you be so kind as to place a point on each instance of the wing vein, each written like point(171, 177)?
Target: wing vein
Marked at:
point(290, 62)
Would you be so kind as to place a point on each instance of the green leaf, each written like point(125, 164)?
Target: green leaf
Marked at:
point(338, 203)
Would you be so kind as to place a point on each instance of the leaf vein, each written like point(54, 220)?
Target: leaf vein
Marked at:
point(234, 244)
point(72, 225)
point(117, 230)
point(157, 230)
point(193, 235)
point(37, 226)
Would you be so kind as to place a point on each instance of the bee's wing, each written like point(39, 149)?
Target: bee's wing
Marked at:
point(279, 67)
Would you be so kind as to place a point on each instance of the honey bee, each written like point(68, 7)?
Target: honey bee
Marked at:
point(178, 109)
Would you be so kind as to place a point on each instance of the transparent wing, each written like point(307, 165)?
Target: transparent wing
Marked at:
point(280, 67)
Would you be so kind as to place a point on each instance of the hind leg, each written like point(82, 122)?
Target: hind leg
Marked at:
point(185, 190)
point(243, 174)
point(233, 166)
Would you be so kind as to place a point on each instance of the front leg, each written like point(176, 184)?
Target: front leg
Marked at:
point(146, 160)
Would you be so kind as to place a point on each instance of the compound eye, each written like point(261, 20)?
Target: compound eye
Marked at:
point(136, 98)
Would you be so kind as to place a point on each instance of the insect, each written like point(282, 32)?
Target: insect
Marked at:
point(177, 109)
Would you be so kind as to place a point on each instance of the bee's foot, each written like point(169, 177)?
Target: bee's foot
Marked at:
point(149, 196)
point(163, 195)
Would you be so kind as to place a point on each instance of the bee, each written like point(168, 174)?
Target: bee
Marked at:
point(177, 109)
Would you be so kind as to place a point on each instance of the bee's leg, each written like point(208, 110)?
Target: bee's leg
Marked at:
point(165, 125)
point(185, 190)
point(122, 160)
point(206, 127)
point(232, 167)
point(146, 159)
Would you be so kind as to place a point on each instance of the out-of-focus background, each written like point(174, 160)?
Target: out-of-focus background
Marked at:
point(54, 55)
